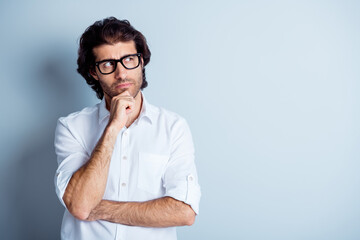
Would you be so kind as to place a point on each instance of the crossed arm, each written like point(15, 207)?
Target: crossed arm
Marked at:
point(83, 195)
point(162, 212)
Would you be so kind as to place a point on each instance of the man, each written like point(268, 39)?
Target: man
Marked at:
point(125, 167)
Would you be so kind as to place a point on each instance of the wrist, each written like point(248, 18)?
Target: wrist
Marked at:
point(113, 129)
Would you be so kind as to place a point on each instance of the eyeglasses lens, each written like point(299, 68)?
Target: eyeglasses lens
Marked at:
point(129, 62)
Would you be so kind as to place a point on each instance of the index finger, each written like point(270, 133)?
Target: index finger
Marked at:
point(125, 93)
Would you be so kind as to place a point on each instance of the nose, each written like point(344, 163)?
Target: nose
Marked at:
point(120, 71)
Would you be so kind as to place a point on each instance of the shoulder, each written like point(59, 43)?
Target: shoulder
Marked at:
point(77, 128)
point(163, 113)
point(175, 127)
point(166, 118)
point(79, 118)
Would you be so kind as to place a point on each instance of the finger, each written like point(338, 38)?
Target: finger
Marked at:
point(121, 99)
point(129, 105)
point(122, 104)
point(126, 93)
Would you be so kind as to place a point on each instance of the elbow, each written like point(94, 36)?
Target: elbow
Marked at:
point(79, 212)
point(190, 217)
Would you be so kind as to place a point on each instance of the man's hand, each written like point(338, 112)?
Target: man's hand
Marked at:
point(121, 108)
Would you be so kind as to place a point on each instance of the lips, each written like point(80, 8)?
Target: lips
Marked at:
point(124, 85)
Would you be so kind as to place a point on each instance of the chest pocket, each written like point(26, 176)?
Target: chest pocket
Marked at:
point(151, 170)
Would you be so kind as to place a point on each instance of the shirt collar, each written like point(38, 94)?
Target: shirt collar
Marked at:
point(103, 112)
point(147, 111)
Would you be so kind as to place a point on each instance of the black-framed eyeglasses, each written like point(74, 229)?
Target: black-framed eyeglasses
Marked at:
point(129, 62)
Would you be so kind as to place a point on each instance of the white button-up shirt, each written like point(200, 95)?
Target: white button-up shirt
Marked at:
point(152, 158)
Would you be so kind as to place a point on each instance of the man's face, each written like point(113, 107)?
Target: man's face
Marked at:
point(121, 79)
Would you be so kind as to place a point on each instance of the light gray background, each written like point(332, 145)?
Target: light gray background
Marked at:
point(270, 90)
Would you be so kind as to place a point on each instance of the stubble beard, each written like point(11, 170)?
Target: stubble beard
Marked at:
point(112, 91)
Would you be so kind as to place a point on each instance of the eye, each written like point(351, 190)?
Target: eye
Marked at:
point(129, 59)
point(107, 64)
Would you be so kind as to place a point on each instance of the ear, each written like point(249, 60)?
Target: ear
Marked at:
point(93, 73)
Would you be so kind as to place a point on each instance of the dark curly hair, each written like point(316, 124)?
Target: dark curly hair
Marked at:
point(108, 31)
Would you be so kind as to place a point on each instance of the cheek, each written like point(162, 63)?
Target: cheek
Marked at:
point(140, 76)
point(104, 83)
point(104, 79)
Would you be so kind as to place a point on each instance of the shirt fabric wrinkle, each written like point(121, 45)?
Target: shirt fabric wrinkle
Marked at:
point(144, 159)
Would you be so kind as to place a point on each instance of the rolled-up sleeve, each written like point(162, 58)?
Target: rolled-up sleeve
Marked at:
point(180, 177)
point(71, 155)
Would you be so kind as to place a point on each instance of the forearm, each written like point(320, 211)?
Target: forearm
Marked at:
point(162, 212)
point(87, 185)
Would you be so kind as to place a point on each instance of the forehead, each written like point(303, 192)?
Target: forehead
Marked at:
point(114, 51)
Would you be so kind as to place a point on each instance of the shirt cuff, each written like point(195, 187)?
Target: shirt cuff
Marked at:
point(186, 191)
point(61, 182)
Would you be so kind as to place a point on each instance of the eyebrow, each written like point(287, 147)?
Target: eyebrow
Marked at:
point(111, 59)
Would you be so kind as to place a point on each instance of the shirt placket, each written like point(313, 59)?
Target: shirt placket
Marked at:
point(123, 184)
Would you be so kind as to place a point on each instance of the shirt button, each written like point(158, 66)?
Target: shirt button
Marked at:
point(124, 157)
point(123, 184)
point(125, 134)
point(190, 178)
